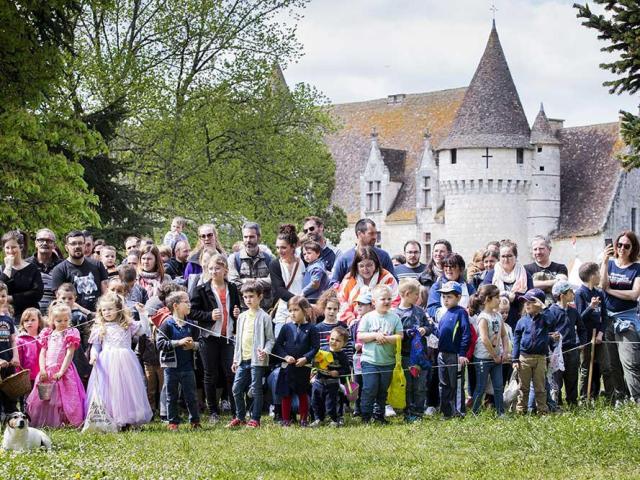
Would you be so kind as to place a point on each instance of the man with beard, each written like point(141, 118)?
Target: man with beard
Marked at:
point(88, 276)
point(250, 263)
point(366, 236)
point(45, 259)
point(176, 264)
point(413, 267)
point(313, 228)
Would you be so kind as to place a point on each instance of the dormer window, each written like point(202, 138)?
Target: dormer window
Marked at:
point(426, 192)
point(374, 196)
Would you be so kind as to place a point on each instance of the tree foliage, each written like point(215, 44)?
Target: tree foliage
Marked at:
point(620, 28)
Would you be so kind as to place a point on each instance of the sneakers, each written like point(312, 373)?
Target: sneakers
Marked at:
point(196, 425)
point(389, 411)
point(431, 411)
point(304, 423)
point(316, 423)
point(225, 405)
point(335, 424)
point(236, 422)
point(253, 424)
point(173, 427)
point(214, 418)
point(340, 422)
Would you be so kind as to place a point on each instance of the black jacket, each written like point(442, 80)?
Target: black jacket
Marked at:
point(203, 302)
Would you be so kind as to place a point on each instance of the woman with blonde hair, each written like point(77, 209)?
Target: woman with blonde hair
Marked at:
point(207, 238)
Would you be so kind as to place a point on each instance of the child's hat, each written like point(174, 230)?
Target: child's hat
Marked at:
point(451, 286)
point(364, 297)
point(534, 295)
point(560, 288)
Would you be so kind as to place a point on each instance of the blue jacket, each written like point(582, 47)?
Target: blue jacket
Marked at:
point(531, 335)
point(315, 272)
point(592, 318)
point(411, 318)
point(454, 332)
point(567, 322)
point(434, 303)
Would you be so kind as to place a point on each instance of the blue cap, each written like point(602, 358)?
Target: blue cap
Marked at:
point(364, 297)
point(533, 295)
point(451, 286)
point(560, 288)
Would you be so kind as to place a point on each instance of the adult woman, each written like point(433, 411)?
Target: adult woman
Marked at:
point(286, 274)
point(23, 279)
point(151, 270)
point(621, 284)
point(452, 270)
point(433, 271)
point(215, 306)
point(511, 278)
point(365, 273)
point(489, 260)
point(207, 238)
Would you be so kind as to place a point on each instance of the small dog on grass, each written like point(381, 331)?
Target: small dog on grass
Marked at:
point(20, 437)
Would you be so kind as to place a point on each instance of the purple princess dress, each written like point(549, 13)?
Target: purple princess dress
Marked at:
point(117, 377)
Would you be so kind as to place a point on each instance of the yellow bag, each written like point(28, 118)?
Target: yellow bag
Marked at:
point(396, 395)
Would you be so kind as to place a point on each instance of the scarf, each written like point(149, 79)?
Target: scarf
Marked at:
point(517, 277)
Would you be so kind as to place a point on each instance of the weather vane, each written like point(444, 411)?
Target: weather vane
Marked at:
point(494, 10)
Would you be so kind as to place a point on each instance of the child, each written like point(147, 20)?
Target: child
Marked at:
point(165, 253)
point(326, 386)
point(492, 347)
point(590, 305)
point(378, 332)
point(414, 322)
point(363, 307)
point(9, 358)
point(567, 321)
point(254, 342)
point(108, 259)
point(177, 346)
point(531, 341)
point(454, 337)
point(316, 279)
point(5, 308)
point(66, 405)
point(66, 294)
point(329, 305)
point(31, 323)
point(298, 342)
point(175, 235)
point(117, 378)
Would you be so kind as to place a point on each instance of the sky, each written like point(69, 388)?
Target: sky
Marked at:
point(365, 49)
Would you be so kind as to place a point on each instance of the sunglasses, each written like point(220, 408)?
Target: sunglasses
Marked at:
point(625, 246)
point(310, 229)
point(206, 235)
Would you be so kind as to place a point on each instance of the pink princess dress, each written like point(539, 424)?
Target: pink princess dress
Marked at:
point(117, 377)
point(66, 405)
point(29, 353)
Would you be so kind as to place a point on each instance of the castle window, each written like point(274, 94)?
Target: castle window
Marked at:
point(426, 192)
point(542, 168)
point(427, 246)
point(520, 156)
point(634, 219)
point(454, 156)
point(379, 239)
point(373, 196)
point(539, 149)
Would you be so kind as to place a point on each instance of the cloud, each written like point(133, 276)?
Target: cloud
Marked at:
point(365, 49)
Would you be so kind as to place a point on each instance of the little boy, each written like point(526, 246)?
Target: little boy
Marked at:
point(66, 294)
point(253, 344)
point(590, 305)
point(176, 344)
point(363, 307)
point(326, 386)
point(175, 235)
point(414, 322)
point(316, 279)
point(531, 340)
point(567, 321)
point(108, 259)
point(9, 358)
point(454, 337)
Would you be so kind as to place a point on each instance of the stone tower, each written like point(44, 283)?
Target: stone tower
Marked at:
point(544, 195)
point(485, 161)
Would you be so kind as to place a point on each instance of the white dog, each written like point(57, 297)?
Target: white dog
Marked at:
point(19, 436)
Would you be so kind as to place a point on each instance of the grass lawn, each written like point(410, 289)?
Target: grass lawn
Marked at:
point(596, 443)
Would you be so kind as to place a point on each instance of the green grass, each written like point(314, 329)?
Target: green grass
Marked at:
point(595, 443)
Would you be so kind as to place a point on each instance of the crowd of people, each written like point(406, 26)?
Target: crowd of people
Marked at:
point(309, 334)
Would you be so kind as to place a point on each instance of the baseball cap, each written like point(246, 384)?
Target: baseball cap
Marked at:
point(533, 295)
point(364, 297)
point(451, 286)
point(560, 287)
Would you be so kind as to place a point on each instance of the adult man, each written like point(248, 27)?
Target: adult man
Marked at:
point(88, 276)
point(433, 270)
point(314, 228)
point(543, 270)
point(251, 263)
point(88, 243)
point(45, 259)
point(366, 236)
point(413, 267)
point(176, 264)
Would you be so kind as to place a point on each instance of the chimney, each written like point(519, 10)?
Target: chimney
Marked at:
point(556, 124)
point(395, 99)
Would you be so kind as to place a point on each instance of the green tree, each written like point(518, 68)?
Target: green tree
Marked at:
point(620, 28)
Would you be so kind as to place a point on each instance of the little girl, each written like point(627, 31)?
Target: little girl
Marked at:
point(297, 343)
point(31, 323)
point(66, 404)
point(117, 377)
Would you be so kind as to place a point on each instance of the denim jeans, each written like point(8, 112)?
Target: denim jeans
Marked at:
point(483, 369)
point(324, 398)
point(248, 377)
point(187, 380)
point(416, 389)
point(375, 383)
point(551, 404)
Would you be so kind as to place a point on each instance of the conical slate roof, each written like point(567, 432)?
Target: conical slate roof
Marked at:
point(541, 132)
point(491, 114)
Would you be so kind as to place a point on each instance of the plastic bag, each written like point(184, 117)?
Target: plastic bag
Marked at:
point(418, 355)
point(98, 419)
point(396, 395)
point(510, 394)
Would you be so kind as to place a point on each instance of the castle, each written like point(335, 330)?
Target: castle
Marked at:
point(464, 164)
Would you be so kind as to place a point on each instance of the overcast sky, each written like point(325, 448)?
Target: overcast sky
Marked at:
point(366, 49)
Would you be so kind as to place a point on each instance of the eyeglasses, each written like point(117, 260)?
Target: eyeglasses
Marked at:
point(310, 229)
point(625, 246)
point(507, 256)
point(76, 244)
point(206, 235)
point(44, 240)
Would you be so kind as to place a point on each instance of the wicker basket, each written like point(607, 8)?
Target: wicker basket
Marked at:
point(16, 385)
point(44, 391)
